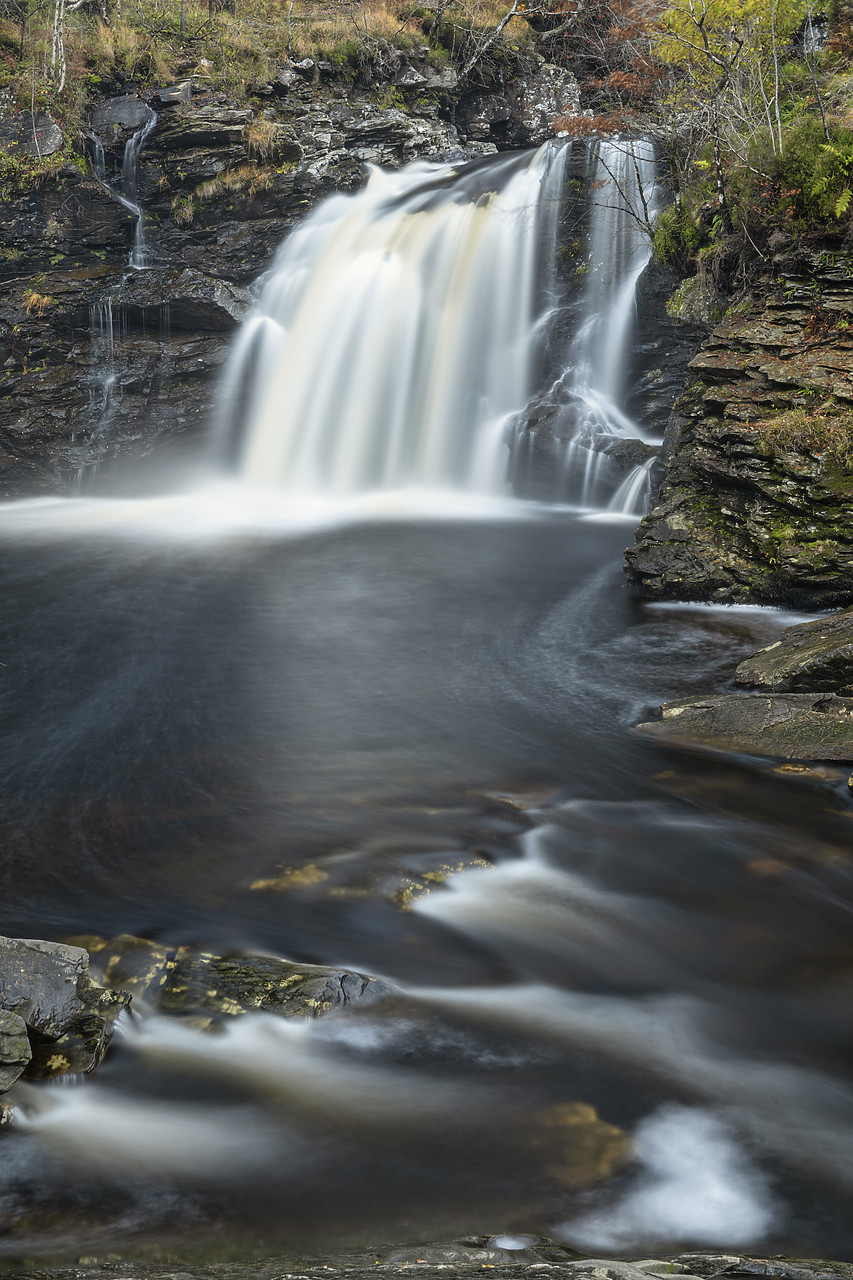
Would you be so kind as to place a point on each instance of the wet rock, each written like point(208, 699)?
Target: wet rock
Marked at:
point(27, 134)
point(194, 301)
point(205, 988)
point(15, 1051)
point(42, 982)
point(814, 656)
point(796, 726)
point(118, 118)
point(68, 1017)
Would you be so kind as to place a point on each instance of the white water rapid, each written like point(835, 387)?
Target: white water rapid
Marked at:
point(393, 339)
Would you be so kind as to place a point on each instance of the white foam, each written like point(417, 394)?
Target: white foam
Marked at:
point(696, 1185)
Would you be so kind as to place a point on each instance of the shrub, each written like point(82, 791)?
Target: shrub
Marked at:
point(816, 175)
point(676, 239)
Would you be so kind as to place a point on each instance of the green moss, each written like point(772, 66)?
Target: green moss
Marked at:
point(677, 238)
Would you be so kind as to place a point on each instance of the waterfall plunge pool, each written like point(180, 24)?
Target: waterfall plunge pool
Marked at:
point(660, 935)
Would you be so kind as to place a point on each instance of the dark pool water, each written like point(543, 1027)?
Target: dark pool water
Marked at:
point(191, 707)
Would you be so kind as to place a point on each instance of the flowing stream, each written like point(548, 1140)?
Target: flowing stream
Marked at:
point(356, 705)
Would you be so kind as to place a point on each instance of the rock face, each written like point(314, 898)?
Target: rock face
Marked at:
point(740, 516)
point(100, 364)
point(794, 726)
point(25, 134)
point(814, 656)
point(204, 988)
point(46, 989)
point(519, 113)
point(657, 361)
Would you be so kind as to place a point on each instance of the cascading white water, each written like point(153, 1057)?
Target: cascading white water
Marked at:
point(624, 198)
point(394, 336)
point(128, 192)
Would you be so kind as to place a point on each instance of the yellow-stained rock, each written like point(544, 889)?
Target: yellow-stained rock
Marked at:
point(578, 1148)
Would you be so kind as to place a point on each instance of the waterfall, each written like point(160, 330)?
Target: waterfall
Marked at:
point(128, 190)
point(394, 337)
point(588, 421)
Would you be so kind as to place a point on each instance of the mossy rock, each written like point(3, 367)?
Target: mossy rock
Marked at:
point(205, 988)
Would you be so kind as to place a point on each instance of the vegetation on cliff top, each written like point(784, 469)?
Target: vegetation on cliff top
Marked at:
point(749, 102)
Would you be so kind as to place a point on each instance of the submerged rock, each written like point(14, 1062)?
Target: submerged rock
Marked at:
point(204, 988)
point(795, 726)
point(579, 1148)
point(68, 1018)
point(813, 656)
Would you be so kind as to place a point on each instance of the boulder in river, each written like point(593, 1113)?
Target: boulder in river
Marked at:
point(793, 726)
point(15, 1051)
point(204, 988)
point(813, 656)
point(68, 1018)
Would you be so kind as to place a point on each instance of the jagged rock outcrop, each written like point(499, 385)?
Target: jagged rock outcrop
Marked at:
point(46, 989)
point(658, 361)
point(745, 513)
point(519, 113)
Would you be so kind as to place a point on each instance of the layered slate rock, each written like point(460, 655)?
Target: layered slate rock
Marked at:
point(794, 726)
point(204, 988)
point(811, 656)
point(109, 365)
point(738, 517)
point(68, 1018)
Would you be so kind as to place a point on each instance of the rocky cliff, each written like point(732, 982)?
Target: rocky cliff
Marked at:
point(756, 502)
point(100, 362)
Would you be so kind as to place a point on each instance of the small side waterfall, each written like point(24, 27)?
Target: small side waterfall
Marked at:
point(127, 191)
point(395, 335)
point(592, 439)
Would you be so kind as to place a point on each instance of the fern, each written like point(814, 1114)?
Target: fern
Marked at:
point(842, 204)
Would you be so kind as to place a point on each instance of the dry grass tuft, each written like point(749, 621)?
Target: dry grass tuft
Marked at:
point(825, 431)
